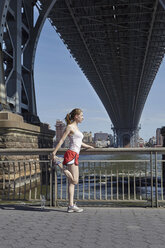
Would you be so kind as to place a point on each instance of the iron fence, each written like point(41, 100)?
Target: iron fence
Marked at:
point(100, 181)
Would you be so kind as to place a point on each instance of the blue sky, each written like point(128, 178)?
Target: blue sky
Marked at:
point(61, 86)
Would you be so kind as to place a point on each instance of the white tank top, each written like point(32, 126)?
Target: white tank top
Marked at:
point(75, 141)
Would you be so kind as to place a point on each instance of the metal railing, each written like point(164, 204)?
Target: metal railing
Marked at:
point(25, 175)
point(114, 180)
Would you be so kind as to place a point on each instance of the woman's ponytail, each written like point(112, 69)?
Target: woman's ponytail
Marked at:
point(70, 117)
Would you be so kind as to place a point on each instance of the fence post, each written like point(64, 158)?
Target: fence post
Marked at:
point(55, 187)
point(152, 201)
point(51, 183)
point(156, 181)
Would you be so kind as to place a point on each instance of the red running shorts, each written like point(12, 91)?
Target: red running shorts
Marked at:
point(69, 156)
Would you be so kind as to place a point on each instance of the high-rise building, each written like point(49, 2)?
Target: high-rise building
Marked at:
point(159, 137)
point(152, 141)
point(60, 128)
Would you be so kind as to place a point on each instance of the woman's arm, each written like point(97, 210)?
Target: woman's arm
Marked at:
point(86, 146)
point(65, 134)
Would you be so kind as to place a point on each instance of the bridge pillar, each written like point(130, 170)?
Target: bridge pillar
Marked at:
point(4, 4)
point(18, 89)
point(125, 137)
point(19, 35)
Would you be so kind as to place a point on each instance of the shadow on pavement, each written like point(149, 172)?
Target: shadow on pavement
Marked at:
point(29, 208)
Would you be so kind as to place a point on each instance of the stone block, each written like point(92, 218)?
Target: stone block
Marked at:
point(14, 133)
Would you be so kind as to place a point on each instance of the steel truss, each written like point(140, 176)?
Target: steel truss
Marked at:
point(19, 37)
point(119, 45)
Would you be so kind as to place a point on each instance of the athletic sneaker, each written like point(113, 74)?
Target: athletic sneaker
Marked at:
point(74, 208)
point(59, 161)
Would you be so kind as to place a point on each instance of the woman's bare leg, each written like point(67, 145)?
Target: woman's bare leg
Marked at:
point(67, 173)
point(71, 188)
point(72, 173)
point(74, 170)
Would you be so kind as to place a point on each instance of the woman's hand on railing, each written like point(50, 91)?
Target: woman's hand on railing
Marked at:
point(91, 147)
point(53, 157)
point(87, 146)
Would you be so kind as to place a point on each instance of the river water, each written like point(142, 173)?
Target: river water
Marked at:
point(110, 177)
point(133, 166)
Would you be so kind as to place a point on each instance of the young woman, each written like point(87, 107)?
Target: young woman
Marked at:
point(72, 154)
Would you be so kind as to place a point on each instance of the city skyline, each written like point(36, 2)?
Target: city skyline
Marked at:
point(61, 86)
point(102, 132)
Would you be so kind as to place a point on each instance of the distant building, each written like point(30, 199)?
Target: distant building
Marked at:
point(103, 139)
point(141, 142)
point(101, 136)
point(60, 128)
point(159, 137)
point(87, 137)
point(102, 143)
point(152, 141)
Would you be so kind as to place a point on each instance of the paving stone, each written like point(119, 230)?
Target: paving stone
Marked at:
point(94, 228)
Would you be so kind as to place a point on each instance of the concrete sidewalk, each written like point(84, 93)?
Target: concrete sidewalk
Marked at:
point(94, 228)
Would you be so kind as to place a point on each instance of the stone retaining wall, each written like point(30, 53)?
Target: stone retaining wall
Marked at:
point(15, 133)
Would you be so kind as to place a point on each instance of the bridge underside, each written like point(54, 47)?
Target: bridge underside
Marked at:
point(119, 45)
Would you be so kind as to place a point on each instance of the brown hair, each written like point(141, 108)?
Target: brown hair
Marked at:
point(70, 117)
